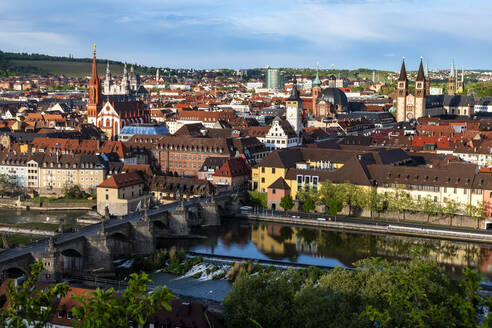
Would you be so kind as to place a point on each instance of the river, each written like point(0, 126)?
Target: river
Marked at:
point(322, 247)
point(289, 244)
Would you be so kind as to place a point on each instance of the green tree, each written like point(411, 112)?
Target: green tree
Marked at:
point(258, 199)
point(6, 184)
point(398, 200)
point(28, 306)
point(428, 207)
point(451, 209)
point(376, 293)
point(334, 207)
point(375, 201)
point(266, 298)
point(287, 203)
point(105, 308)
point(308, 205)
point(476, 211)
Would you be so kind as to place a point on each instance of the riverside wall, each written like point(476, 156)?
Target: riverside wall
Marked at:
point(46, 205)
point(395, 229)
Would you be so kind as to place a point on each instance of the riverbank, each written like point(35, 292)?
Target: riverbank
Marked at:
point(382, 227)
point(50, 205)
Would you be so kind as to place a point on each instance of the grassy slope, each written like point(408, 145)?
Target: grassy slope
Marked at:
point(69, 69)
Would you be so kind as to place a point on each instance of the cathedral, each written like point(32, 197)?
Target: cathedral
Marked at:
point(113, 114)
point(411, 106)
point(327, 102)
point(129, 85)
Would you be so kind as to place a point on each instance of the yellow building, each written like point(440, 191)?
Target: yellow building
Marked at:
point(57, 172)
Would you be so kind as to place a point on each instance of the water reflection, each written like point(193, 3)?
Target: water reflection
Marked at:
point(332, 248)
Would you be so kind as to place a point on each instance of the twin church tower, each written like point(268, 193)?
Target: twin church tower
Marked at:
point(412, 106)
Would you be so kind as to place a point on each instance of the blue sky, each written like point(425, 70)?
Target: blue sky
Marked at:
point(254, 33)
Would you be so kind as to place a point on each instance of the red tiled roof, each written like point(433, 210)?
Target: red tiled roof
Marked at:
point(122, 180)
point(234, 167)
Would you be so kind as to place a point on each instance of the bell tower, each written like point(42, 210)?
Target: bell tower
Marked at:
point(402, 93)
point(452, 81)
point(316, 91)
point(95, 94)
point(420, 92)
point(293, 109)
point(427, 79)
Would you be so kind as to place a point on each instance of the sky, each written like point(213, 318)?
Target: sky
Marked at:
point(254, 33)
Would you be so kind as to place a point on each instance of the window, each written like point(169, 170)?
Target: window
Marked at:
point(273, 191)
point(273, 170)
point(69, 315)
point(262, 180)
point(262, 170)
point(107, 197)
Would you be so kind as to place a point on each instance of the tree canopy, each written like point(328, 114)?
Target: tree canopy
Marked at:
point(376, 293)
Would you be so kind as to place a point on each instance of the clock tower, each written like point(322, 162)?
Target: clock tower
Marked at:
point(293, 109)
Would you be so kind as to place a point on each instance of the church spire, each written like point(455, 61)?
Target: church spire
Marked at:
point(451, 72)
point(95, 94)
point(421, 74)
point(403, 72)
point(317, 81)
point(94, 65)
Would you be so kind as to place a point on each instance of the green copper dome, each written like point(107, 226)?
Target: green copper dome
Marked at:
point(317, 81)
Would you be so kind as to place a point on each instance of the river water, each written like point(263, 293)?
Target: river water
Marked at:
point(322, 247)
point(290, 244)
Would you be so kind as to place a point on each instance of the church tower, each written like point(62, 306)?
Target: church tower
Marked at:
point(452, 86)
point(107, 81)
point(95, 94)
point(427, 79)
point(125, 82)
point(461, 83)
point(420, 91)
point(316, 89)
point(402, 92)
point(293, 109)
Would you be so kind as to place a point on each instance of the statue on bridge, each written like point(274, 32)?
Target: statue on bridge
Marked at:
point(51, 245)
point(5, 243)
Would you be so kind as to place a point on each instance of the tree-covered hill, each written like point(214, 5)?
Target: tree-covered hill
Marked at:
point(27, 64)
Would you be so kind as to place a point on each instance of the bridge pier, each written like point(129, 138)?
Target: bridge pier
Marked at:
point(143, 240)
point(98, 255)
point(210, 215)
point(179, 221)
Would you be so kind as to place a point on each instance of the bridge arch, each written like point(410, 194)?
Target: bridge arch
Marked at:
point(73, 261)
point(14, 272)
point(119, 243)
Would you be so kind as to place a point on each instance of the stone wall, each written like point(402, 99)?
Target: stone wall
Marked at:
point(461, 221)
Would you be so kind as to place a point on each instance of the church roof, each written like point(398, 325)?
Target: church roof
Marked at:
point(403, 72)
point(333, 96)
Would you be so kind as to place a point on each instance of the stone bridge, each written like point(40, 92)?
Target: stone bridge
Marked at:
point(92, 249)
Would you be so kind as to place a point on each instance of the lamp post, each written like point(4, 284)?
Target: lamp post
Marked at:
point(94, 273)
